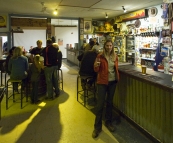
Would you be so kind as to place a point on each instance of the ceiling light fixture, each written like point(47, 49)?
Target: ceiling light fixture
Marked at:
point(106, 16)
point(124, 9)
point(55, 12)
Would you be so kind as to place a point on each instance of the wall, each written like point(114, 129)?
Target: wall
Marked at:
point(65, 33)
point(155, 21)
point(29, 38)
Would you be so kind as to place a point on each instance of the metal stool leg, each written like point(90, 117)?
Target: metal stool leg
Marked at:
point(21, 96)
point(1, 78)
point(7, 95)
point(77, 86)
point(60, 78)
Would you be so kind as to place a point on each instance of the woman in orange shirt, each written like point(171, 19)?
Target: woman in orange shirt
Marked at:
point(106, 66)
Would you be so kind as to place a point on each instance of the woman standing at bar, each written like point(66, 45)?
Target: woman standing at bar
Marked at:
point(106, 66)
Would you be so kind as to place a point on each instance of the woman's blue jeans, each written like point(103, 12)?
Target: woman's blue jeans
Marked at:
point(105, 94)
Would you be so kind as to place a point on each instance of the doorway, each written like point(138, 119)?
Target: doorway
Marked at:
point(3, 45)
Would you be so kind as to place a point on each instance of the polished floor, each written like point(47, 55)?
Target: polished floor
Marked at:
point(62, 120)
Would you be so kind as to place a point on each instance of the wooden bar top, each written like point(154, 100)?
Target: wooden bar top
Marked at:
point(153, 77)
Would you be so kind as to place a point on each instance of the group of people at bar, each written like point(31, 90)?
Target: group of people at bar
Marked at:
point(44, 61)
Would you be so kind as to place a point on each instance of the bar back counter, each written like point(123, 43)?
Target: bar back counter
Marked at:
point(72, 56)
point(146, 101)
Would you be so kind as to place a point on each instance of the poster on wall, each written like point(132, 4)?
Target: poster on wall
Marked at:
point(81, 31)
point(3, 21)
point(60, 42)
point(87, 26)
point(81, 37)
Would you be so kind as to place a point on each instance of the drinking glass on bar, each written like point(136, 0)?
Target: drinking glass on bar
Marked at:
point(143, 70)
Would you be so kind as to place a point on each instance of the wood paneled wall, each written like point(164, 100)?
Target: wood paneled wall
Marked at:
point(28, 22)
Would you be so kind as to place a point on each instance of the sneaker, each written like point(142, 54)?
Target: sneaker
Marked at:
point(57, 94)
point(49, 98)
point(96, 133)
point(110, 127)
point(38, 101)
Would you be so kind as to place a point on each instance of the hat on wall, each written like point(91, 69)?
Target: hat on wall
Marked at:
point(115, 26)
point(94, 23)
point(152, 12)
point(137, 23)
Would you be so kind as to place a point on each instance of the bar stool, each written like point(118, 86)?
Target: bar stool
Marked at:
point(13, 94)
point(2, 91)
point(60, 78)
point(86, 90)
point(6, 76)
point(3, 72)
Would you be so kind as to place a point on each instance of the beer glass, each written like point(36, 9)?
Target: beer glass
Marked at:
point(143, 69)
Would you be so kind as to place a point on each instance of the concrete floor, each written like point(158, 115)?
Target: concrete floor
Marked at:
point(62, 120)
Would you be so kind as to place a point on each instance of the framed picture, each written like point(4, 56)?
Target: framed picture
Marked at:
point(3, 21)
point(81, 31)
point(87, 26)
point(60, 42)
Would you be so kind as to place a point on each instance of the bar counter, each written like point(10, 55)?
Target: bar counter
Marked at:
point(146, 100)
point(72, 56)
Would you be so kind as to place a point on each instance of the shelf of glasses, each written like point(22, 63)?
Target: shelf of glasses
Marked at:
point(148, 59)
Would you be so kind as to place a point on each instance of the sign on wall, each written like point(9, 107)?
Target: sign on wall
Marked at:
point(3, 21)
point(28, 22)
point(132, 16)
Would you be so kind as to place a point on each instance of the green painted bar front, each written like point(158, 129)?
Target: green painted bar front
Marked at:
point(148, 105)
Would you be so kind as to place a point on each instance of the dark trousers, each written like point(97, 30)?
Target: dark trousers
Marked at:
point(105, 92)
point(34, 94)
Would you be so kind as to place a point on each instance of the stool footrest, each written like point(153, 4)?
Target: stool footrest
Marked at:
point(88, 88)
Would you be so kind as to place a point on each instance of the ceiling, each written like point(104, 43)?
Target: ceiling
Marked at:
point(71, 9)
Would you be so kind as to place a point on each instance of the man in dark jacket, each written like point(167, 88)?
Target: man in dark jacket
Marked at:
point(50, 62)
point(87, 64)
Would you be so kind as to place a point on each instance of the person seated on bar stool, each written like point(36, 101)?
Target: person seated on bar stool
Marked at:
point(18, 66)
point(5, 64)
point(87, 66)
point(89, 45)
point(10, 54)
point(36, 69)
point(79, 57)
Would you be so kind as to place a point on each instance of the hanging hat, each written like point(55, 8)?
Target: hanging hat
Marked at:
point(152, 12)
point(137, 23)
point(94, 23)
point(115, 26)
point(112, 21)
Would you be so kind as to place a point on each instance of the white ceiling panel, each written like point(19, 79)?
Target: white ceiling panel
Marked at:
point(93, 9)
point(79, 3)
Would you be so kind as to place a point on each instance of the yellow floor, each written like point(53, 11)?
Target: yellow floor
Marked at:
point(62, 120)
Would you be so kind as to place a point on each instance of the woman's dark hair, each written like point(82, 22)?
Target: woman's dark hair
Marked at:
point(49, 41)
point(11, 50)
point(53, 39)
